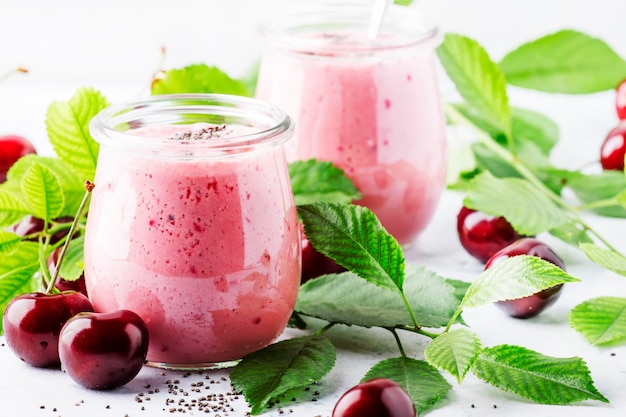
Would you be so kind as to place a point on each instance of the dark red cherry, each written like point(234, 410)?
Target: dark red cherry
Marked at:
point(103, 350)
point(483, 235)
point(12, 148)
point(315, 263)
point(32, 324)
point(27, 226)
point(613, 148)
point(378, 397)
point(532, 305)
point(620, 100)
point(62, 284)
point(30, 225)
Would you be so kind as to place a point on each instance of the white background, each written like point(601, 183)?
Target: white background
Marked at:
point(115, 46)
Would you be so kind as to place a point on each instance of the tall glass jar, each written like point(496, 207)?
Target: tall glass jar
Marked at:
point(371, 106)
point(192, 225)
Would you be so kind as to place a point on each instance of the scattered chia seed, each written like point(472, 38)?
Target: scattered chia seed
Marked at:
point(205, 133)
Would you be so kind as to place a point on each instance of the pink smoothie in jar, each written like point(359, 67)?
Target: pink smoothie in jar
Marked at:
point(372, 107)
point(193, 226)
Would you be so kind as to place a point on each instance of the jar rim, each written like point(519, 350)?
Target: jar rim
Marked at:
point(264, 125)
point(403, 27)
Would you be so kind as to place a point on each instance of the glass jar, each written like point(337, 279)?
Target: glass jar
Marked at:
point(372, 107)
point(192, 225)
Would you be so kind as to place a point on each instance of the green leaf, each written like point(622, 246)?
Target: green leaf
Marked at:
point(527, 127)
point(345, 298)
point(572, 233)
point(314, 181)
point(543, 379)
point(71, 184)
point(403, 2)
point(567, 61)
point(424, 384)
point(478, 79)
point(17, 270)
point(267, 374)
point(73, 264)
point(609, 259)
point(454, 351)
point(591, 188)
point(460, 287)
point(43, 192)
point(512, 278)
point(12, 209)
point(353, 237)
point(601, 320)
point(530, 126)
point(8, 242)
point(198, 78)
point(67, 123)
point(528, 210)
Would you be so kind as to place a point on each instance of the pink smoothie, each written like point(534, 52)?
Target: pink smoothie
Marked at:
point(206, 252)
point(376, 115)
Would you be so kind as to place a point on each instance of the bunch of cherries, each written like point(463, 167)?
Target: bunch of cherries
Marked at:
point(59, 327)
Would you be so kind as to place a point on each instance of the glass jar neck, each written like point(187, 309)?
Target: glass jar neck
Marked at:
point(192, 126)
point(340, 29)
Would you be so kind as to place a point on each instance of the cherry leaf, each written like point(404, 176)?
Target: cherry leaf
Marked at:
point(543, 379)
point(73, 263)
point(8, 242)
point(345, 298)
point(71, 185)
point(314, 181)
point(512, 278)
point(353, 237)
point(478, 79)
point(43, 192)
point(198, 78)
point(528, 210)
point(424, 384)
point(67, 124)
point(454, 351)
point(16, 272)
point(609, 259)
point(12, 208)
point(268, 373)
point(566, 61)
point(601, 320)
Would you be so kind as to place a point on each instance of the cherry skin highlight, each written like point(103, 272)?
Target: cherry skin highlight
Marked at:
point(613, 148)
point(32, 324)
point(378, 397)
point(532, 305)
point(482, 235)
point(12, 148)
point(103, 351)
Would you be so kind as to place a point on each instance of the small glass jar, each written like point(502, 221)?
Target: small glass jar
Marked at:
point(192, 225)
point(370, 106)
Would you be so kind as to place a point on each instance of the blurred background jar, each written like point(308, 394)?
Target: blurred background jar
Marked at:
point(370, 106)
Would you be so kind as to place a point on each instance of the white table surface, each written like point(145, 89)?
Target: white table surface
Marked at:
point(67, 44)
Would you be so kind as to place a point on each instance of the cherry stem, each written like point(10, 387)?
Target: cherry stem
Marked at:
point(89, 186)
point(506, 155)
point(18, 70)
point(410, 310)
point(325, 328)
point(398, 341)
